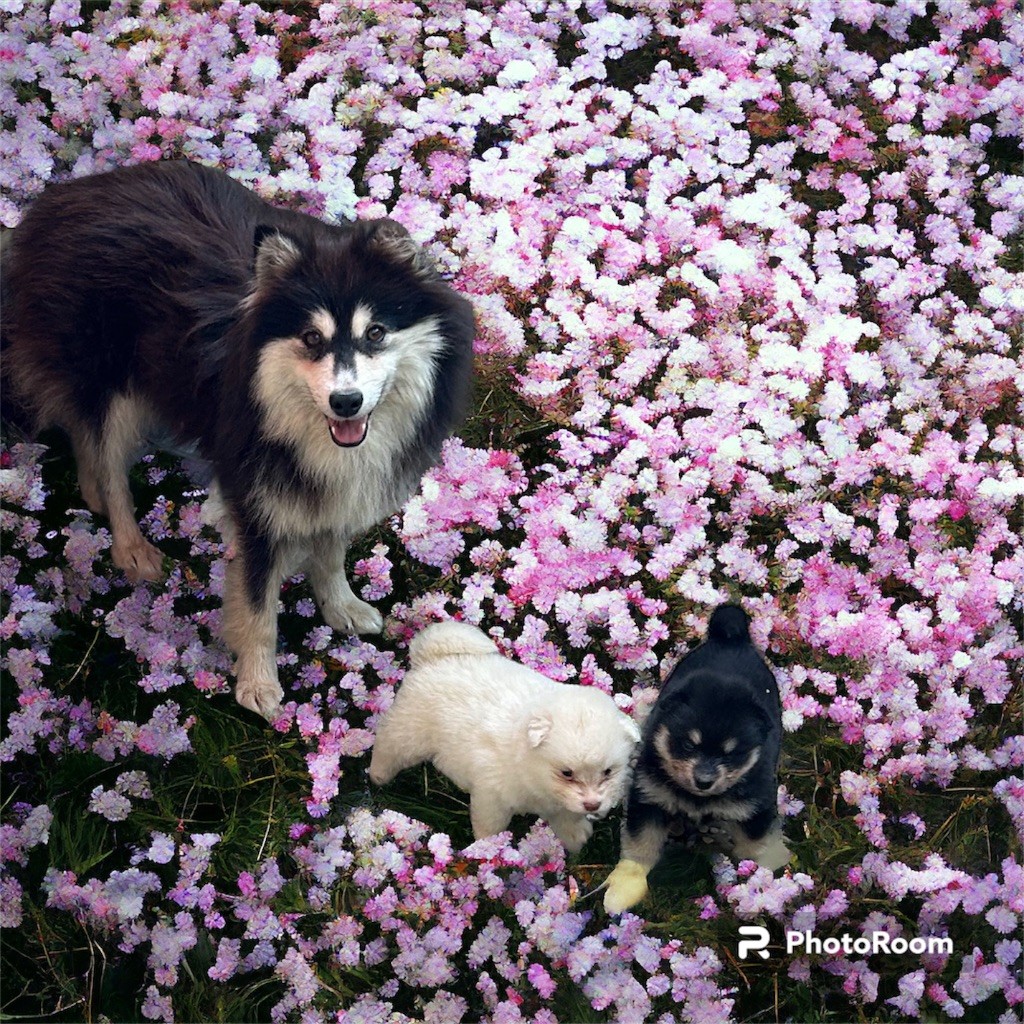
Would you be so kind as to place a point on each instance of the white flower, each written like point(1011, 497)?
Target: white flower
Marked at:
point(264, 68)
point(517, 72)
point(729, 258)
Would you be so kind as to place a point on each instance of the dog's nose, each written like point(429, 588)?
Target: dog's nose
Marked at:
point(346, 403)
point(704, 781)
point(591, 805)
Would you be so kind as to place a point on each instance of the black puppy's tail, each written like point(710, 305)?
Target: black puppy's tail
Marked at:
point(729, 624)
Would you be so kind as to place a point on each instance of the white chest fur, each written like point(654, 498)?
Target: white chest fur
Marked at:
point(675, 802)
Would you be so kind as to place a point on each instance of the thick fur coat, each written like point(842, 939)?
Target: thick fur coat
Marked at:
point(518, 742)
point(317, 367)
point(708, 762)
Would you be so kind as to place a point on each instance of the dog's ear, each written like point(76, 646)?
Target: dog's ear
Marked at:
point(396, 244)
point(671, 703)
point(632, 730)
point(275, 252)
point(538, 730)
point(763, 715)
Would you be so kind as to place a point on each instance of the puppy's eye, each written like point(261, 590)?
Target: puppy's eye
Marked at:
point(607, 773)
point(375, 333)
point(566, 773)
point(312, 338)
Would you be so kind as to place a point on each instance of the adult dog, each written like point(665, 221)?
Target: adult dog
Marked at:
point(317, 367)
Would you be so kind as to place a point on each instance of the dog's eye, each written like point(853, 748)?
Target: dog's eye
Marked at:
point(375, 333)
point(607, 773)
point(312, 338)
point(567, 773)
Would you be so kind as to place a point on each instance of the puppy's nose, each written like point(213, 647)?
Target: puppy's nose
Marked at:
point(346, 403)
point(704, 781)
point(591, 805)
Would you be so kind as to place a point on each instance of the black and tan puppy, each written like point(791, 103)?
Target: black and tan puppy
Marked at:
point(708, 761)
point(317, 367)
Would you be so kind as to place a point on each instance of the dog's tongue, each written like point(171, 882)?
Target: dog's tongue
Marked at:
point(348, 433)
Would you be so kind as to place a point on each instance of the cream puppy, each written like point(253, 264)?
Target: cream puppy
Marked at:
point(518, 742)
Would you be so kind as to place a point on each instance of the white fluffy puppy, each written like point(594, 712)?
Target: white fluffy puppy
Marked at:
point(518, 742)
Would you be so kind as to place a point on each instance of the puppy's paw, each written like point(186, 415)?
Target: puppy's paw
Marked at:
point(138, 559)
point(353, 617)
point(715, 835)
point(260, 695)
point(773, 852)
point(381, 769)
point(627, 885)
point(573, 832)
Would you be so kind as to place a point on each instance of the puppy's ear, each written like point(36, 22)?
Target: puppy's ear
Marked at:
point(276, 253)
point(631, 729)
point(396, 244)
point(680, 695)
point(672, 704)
point(538, 730)
point(764, 716)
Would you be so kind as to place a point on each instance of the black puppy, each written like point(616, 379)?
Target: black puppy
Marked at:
point(708, 760)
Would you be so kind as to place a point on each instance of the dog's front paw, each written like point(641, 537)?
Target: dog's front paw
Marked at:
point(716, 835)
point(773, 852)
point(382, 767)
point(260, 695)
point(627, 885)
point(138, 559)
point(353, 617)
point(573, 832)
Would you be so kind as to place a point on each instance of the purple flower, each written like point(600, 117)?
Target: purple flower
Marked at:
point(541, 980)
point(746, 324)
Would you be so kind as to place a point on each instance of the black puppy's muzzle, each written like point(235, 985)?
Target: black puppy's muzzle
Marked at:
point(704, 778)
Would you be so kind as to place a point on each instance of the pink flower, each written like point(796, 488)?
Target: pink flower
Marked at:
point(541, 980)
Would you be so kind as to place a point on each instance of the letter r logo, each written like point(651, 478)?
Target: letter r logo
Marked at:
point(756, 943)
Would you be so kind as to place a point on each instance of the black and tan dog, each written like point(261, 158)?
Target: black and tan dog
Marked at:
point(317, 367)
point(708, 761)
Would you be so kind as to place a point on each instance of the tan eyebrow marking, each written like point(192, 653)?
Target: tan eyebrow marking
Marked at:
point(324, 323)
point(362, 317)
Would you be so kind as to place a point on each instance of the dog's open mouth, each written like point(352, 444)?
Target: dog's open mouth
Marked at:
point(349, 433)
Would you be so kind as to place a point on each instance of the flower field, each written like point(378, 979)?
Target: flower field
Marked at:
point(749, 281)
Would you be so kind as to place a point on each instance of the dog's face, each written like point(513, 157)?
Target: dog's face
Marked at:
point(707, 741)
point(581, 754)
point(348, 321)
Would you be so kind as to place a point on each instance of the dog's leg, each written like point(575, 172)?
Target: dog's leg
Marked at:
point(341, 609)
point(385, 761)
point(488, 813)
point(644, 832)
point(252, 584)
point(87, 462)
point(120, 440)
point(402, 740)
point(760, 838)
point(215, 512)
point(572, 829)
